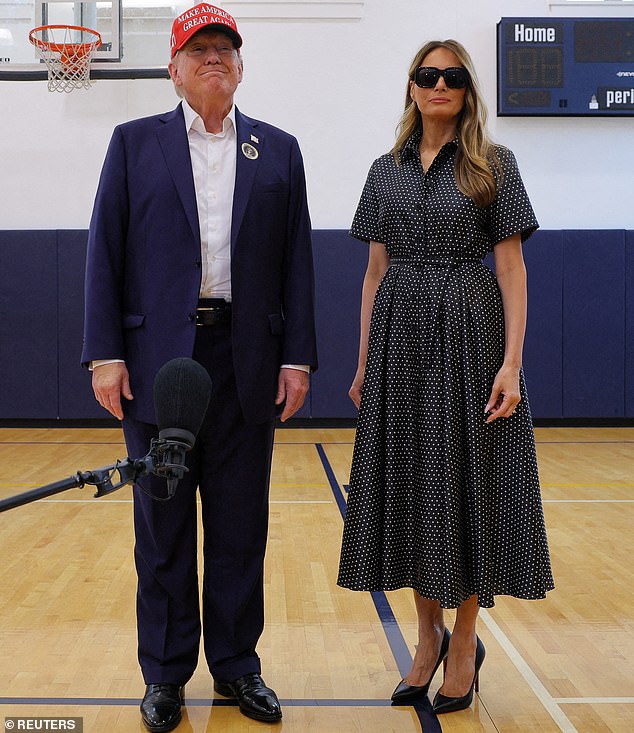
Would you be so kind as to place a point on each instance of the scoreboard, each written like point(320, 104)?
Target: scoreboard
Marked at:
point(565, 67)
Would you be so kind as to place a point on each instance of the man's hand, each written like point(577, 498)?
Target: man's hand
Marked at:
point(292, 386)
point(109, 382)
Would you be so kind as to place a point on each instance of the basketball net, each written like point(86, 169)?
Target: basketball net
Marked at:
point(66, 51)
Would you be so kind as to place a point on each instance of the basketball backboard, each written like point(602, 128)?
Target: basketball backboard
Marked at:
point(135, 33)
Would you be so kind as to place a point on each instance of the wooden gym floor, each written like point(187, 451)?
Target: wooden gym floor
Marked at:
point(67, 587)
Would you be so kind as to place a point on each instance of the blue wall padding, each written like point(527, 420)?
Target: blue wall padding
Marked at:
point(578, 355)
point(340, 264)
point(543, 254)
point(629, 324)
point(28, 324)
point(75, 391)
point(594, 324)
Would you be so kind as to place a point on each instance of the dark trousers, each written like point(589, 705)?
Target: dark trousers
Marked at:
point(230, 465)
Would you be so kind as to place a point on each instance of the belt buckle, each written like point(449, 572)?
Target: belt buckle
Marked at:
point(210, 315)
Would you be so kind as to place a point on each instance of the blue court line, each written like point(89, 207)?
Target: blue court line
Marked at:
point(189, 701)
point(423, 709)
point(428, 720)
point(332, 479)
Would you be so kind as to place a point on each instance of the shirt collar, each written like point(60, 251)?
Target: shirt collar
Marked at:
point(413, 141)
point(193, 121)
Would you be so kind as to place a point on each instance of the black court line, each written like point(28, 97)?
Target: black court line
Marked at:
point(428, 720)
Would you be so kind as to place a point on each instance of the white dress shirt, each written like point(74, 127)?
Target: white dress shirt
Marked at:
point(213, 157)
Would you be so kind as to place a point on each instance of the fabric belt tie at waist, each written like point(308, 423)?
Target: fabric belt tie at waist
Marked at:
point(448, 263)
point(213, 312)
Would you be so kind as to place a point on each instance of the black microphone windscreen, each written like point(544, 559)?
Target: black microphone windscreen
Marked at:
point(182, 389)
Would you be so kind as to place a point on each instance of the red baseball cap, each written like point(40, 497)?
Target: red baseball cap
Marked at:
point(202, 16)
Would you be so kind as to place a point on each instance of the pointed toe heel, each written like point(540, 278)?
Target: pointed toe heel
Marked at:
point(405, 693)
point(444, 704)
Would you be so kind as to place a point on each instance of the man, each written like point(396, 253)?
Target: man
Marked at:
point(200, 246)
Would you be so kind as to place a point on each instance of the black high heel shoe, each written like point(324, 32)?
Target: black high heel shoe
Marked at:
point(404, 692)
point(443, 704)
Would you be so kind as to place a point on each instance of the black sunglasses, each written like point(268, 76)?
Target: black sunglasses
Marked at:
point(456, 77)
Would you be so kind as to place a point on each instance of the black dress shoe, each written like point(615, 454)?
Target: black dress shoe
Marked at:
point(161, 707)
point(405, 693)
point(256, 700)
point(444, 704)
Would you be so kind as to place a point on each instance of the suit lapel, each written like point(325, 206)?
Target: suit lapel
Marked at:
point(173, 141)
point(250, 142)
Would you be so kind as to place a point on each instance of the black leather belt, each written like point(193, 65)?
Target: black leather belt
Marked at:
point(213, 312)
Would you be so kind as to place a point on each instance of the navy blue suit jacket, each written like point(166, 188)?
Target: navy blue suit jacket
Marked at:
point(143, 267)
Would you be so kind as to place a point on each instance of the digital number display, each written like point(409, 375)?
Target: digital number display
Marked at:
point(534, 67)
point(605, 42)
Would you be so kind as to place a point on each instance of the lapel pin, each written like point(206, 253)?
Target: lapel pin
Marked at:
point(254, 139)
point(249, 151)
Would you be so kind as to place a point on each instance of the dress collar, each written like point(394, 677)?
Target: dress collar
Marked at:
point(413, 141)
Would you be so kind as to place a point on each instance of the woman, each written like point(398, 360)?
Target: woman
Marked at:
point(444, 492)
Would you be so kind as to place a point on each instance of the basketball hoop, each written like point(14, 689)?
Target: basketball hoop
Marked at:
point(66, 51)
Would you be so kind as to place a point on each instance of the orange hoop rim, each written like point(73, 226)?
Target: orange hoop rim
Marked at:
point(65, 48)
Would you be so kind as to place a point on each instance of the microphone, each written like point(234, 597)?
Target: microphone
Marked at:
point(182, 389)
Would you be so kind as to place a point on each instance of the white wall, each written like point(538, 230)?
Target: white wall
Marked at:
point(339, 87)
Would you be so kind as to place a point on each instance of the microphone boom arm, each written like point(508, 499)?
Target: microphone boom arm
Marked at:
point(162, 460)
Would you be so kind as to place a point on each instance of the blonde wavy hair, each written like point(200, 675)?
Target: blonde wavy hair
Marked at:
point(477, 167)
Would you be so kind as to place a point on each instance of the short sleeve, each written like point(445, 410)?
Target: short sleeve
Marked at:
point(366, 224)
point(511, 211)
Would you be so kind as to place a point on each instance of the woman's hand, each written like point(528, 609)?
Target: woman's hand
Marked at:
point(357, 387)
point(505, 395)
point(378, 262)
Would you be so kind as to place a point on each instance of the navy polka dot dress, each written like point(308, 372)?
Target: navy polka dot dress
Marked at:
point(439, 500)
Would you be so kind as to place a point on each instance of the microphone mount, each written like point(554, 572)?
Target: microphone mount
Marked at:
point(166, 459)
